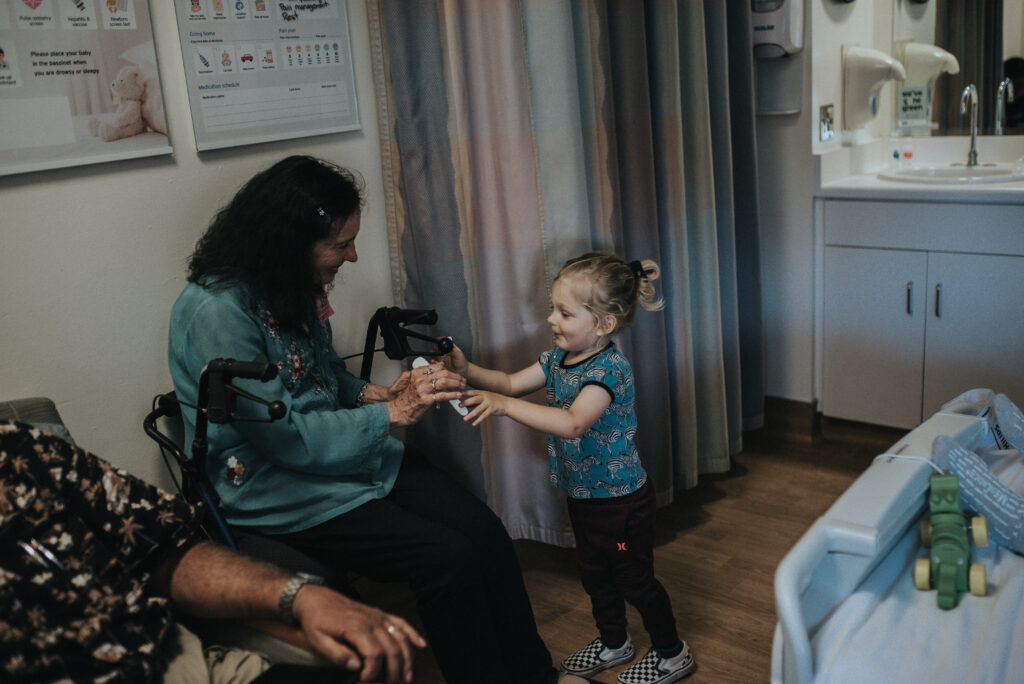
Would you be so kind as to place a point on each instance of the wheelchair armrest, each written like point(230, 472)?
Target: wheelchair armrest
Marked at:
point(279, 642)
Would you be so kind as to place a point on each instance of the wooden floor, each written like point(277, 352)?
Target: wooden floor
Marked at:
point(716, 551)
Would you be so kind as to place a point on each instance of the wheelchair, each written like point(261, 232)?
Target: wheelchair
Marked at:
point(217, 404)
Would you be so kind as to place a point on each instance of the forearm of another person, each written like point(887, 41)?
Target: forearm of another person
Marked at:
point(211, 581)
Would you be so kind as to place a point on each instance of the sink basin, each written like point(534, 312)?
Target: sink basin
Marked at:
point(957, 173)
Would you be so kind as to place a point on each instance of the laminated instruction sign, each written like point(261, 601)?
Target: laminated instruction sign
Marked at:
point(262, 70)
point(78, 84)
point(912, 106)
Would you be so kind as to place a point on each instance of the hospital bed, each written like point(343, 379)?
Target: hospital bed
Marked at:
point(847, 607)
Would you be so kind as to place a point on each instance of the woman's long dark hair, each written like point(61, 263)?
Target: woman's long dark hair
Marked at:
point(265, 235)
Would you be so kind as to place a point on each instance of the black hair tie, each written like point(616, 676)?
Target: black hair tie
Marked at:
point(638, 270)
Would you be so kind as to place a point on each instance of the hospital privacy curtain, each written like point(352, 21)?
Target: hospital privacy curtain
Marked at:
point(517, 134)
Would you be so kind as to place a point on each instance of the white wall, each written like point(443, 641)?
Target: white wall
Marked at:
point(92, 258)
point(915, 21)
point(834, 25)
point(786, 177)
point(787, 149)
point(1013, 29)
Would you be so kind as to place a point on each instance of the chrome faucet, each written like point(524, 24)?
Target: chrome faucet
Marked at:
point(1004, 96)
point(971, 94)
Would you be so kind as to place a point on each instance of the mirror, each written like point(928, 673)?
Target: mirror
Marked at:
point(986, 38)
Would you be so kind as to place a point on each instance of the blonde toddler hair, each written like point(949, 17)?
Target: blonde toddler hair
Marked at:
point(607, 285)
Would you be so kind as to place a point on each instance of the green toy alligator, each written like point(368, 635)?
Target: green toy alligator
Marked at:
point(948, 568)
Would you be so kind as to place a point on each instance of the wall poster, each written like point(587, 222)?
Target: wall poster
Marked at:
point(78, 84)
point(261, 70)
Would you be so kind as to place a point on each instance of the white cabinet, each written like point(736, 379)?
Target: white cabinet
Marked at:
point(873, 335)
point(975, 327)
point(906, 325)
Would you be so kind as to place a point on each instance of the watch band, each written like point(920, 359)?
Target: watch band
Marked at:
point(284, 603)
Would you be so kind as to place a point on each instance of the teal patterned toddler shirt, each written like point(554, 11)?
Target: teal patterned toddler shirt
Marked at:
point(602, 462)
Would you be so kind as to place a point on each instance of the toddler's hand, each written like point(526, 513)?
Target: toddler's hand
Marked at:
point(455, 361)
point(482, 405)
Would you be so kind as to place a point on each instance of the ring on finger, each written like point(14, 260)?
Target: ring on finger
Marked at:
point(428, 371)
point(433, 384)
point(392, 630)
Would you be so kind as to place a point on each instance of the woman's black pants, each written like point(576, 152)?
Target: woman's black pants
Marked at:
point(458, 559)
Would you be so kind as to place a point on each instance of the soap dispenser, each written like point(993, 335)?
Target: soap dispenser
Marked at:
point(924, 63)
point(865, 70)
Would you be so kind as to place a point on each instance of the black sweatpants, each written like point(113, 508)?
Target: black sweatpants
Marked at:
point(615, 551)
point(460, 562)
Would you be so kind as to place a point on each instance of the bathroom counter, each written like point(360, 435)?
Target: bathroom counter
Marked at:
point(869, 186)
point(852, 172)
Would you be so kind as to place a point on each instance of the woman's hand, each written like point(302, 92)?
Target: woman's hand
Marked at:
point(426, 386)
point(482, 405)
point(375, 394)
point(399, 385)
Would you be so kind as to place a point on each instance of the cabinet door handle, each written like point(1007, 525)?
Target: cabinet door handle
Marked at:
point(910, 297)
point(938, 300)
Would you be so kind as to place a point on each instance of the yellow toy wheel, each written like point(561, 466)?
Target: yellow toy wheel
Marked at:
point(923, 574)
point(977, 579)
point(926, 532)
point(979, 531)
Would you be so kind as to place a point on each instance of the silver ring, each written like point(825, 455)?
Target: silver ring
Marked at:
point(392, 629)
point(428, 371)
point(433, 384)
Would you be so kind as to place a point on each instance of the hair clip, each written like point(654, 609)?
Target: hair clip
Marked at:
point(638, 270)
point(320, 212)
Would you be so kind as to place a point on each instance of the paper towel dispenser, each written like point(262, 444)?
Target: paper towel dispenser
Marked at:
point(778, 27)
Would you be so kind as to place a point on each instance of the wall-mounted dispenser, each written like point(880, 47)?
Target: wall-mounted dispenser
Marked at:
point(778, 38)
point(924, 63)
point(778, 27)
point(864, 72)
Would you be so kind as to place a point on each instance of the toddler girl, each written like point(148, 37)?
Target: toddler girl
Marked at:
point(591, 423)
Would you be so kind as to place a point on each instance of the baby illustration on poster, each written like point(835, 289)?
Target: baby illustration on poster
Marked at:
point(9, 77)
point(79, 84)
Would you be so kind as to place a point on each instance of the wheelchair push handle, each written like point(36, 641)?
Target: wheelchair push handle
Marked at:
point(215, 404)
point(261, 369)
point(392, 325)
point(217, 394)
point(410, 316)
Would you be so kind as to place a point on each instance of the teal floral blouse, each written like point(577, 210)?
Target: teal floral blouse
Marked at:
point(325, 457)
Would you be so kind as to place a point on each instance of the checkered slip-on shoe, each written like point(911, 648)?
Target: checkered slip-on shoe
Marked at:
point(653, 669)
point(595, 657)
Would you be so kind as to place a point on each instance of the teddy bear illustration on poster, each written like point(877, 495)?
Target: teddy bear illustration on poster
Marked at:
point(138, 107)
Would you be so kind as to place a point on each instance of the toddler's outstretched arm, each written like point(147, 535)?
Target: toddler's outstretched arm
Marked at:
point(565, 423)
point(516, 384)
point(497, 391)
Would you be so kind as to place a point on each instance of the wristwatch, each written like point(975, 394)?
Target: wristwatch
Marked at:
point(284, 604)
